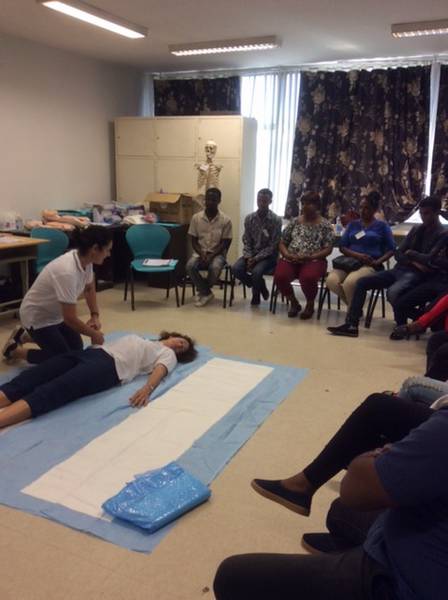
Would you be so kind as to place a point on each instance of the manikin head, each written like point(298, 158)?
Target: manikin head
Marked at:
point(210, 149)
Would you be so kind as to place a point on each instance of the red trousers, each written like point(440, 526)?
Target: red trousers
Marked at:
point(307, 273)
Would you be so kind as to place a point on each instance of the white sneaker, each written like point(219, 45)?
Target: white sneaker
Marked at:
point(203, 300)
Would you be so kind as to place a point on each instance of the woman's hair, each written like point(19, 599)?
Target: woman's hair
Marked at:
point(187, 356)
point(373, 199)
point(85, 239)
point(311, 198)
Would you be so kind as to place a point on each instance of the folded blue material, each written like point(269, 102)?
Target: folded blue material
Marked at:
point(157, 497)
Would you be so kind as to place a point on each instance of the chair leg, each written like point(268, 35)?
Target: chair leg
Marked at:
point(339, 303)
point(372, 304)
point(321, 302)
point(383, 304)
point(126, 285)
point(244, 291)
point(232, 289)
point(132, 288)
point(226, 275)
point(184, 283)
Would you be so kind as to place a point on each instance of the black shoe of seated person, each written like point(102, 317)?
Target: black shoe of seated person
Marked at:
point(324, 543)
point(255, 300)
point(272, 489)
point(346, 330)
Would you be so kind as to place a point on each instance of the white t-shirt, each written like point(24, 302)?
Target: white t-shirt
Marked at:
point(62, 281)
point(133, 355)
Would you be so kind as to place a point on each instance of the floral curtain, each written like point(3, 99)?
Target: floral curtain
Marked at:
point(439, 177)
point(196, 96)
point(358, 131)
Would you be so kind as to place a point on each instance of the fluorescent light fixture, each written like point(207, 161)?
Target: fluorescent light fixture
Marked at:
point(420, 28)
point(218, 47)
point(96, 16)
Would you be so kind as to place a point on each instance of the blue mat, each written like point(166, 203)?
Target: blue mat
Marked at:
point(32, 449)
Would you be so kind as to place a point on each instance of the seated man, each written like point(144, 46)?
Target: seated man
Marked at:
point(409, 271)
point(262, 230)
point(211, 236)
point(405, 555)
point(62, 379)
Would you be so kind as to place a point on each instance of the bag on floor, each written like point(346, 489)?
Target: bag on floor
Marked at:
point(346, 263)
point(157, 497)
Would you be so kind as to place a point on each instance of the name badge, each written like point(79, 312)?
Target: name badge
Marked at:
point(360, 235)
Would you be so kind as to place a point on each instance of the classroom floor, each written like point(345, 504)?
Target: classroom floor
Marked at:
point(44, 560)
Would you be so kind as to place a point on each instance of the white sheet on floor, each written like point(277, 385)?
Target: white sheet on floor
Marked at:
point(149, 438)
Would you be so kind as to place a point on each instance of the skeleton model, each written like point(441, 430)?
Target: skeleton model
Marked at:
point(208, 172)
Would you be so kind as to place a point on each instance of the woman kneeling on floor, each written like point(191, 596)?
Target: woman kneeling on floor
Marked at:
point(67, 377)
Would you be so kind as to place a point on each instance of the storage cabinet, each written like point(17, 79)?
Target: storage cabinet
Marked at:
point(154, 154)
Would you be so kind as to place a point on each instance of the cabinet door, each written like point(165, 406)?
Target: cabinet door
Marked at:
point(175, 137)
point(134, 137)
point(176, 175)
point(135, 178)
point(225, 131)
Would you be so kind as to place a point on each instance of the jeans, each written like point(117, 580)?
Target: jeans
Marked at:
point(406, 306)
point(53, 341)
point(351, 575)
point(397, 280)
point(423, 389)
point(379, 419)
point(214, 268)
point(437, 356)
point(62, 379)
point(254, 278)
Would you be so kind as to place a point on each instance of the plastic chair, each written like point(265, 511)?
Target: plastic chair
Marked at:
point(149, 241)
point(374, 297)
point(57, 245)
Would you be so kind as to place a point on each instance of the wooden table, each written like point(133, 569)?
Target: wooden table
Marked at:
point(18, 249)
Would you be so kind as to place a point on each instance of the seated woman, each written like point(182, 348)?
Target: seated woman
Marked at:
point(391, 449)
point(48, 311)
point(367, 240)
point(67, 377)
point(304, 246)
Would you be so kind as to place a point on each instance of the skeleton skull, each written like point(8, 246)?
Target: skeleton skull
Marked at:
point(210, 149)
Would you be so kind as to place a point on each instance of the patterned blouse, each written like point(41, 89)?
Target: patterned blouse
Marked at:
point(307, 238)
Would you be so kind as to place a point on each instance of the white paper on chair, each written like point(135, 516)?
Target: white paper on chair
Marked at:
point(149, 438)
point(157, 262)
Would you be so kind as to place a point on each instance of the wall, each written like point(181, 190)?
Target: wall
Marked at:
point(56, 112)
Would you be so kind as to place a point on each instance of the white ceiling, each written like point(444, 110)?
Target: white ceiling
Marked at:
point(310, 30)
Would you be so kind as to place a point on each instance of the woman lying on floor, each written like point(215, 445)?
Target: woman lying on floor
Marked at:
point(67, 377)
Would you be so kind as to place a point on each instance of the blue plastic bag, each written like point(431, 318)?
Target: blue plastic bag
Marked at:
point(157, 497)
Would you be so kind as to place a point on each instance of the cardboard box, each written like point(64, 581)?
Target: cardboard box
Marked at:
point(173, 208)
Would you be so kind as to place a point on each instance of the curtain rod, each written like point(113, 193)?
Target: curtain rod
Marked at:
point(337, 65)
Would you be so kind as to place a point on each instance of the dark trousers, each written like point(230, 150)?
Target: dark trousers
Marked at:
point(62, 379)
point(254, 278)
point(397, 281)
point(437, 356)
point(350, 525)
point(378, 420)
point(53, 341)
point(407, 306)
point(351, 575)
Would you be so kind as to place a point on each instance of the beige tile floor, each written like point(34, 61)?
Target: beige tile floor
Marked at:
point(40, 559)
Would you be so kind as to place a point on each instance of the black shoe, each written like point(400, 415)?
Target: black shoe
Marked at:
point(346, 329)
point(324, 543)
point(273, 490)
point(294, 310)
point(14, 340)
point(264, 291)
point(255, 301)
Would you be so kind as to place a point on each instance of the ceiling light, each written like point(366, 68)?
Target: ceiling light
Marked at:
point(217, 47)
point(96, 16)
point(419, 28)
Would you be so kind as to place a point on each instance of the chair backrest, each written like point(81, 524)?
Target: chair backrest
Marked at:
point(57, 245)
point(147, 241)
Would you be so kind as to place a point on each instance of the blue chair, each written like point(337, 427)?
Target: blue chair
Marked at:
point(56, 245)
point(149, 241)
